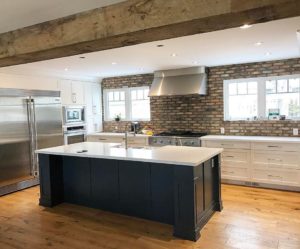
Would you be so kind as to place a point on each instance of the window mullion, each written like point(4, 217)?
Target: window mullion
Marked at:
point(128, 104)
point(261, 98)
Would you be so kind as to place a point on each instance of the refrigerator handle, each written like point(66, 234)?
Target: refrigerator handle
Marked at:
point(35, 142)
point(30, 124)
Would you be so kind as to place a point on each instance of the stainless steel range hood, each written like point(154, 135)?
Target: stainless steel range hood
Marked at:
point(185, 81)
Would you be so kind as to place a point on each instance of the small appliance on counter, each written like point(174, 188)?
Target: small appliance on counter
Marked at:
point(135, 127)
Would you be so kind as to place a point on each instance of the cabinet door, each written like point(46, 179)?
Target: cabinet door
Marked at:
point(208, 183)
point(78, 92)
point(88, 96)
point(66, 92)
point(96, 99)
point(77, 180)
point(134, 180)
point(104, 184)
point(162, 193)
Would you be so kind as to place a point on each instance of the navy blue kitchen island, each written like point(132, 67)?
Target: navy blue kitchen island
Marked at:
point(174, 185)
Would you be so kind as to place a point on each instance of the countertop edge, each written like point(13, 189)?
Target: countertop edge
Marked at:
point(217, 152)
point(257, 139)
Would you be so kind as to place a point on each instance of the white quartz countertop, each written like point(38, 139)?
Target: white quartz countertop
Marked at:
point(178, 155)
point(252, 138)
point(115, 134)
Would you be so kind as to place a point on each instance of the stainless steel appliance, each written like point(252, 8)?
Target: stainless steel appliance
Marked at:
point(177, 138)
point(74, 114)
point(74, 134)
point(29, 120)
point(184, 81)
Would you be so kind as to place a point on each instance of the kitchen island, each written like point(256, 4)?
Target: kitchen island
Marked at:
point(173, 185)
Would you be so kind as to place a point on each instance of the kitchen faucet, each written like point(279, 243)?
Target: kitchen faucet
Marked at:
point(126, 138)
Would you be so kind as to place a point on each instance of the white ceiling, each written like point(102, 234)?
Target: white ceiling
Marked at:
point(16, 14)
point(232, 46)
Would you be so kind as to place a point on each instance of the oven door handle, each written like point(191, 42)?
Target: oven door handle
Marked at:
point(75, 133)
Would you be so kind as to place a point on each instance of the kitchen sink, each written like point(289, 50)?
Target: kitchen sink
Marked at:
point(131, 147)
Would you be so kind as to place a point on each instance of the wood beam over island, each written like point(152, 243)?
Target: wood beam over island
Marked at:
point(179, 186)
point(134, 22)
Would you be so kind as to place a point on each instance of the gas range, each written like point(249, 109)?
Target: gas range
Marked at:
point(177, 138)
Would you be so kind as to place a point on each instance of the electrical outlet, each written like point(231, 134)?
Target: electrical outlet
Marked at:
point(295, 131)
point(222, 130)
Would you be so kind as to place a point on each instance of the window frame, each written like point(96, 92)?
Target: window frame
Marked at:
point(128, 102)
point(261, 95)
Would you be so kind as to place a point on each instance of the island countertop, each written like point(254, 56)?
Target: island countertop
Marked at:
point(177, 155)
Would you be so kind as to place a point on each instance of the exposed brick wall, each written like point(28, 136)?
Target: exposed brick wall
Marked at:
point(205, 113)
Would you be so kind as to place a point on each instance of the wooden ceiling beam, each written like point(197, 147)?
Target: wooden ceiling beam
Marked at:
point(134, 22)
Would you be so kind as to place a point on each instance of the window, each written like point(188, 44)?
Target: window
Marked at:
point(140, 104)
point(132, 104)
point(245, 99)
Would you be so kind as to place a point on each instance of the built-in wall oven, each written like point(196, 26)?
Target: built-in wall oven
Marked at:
point(74, 124)
point(74, 114)
point(74, 134)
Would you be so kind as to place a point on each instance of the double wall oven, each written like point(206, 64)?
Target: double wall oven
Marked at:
point(74, 124)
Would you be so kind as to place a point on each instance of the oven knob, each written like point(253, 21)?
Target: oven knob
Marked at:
point(170, 142)
point(161, 141)
point(192, 143)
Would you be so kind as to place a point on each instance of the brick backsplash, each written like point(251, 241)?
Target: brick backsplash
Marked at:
point(205, 113)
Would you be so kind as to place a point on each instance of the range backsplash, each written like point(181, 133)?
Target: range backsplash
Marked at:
point(205, 113)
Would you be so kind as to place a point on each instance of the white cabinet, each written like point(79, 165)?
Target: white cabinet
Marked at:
point(138, 140)
point(93, 107)
point(259, 160)
point(87, 94)
point(72, 92)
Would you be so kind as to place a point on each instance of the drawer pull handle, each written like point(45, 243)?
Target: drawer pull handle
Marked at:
point(230, 172)
point(274, 176)
point(102, 139)
point(226, 144)
point(273, 146)
point(230, 156)
point(274, 159)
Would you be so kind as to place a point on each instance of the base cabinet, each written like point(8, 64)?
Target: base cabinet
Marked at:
point(183, 196)
point(266, 164)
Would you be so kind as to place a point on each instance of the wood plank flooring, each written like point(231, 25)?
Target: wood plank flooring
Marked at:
point(252, 218)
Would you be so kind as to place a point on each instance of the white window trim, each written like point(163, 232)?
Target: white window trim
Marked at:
point(128, 106)
point(261, 94)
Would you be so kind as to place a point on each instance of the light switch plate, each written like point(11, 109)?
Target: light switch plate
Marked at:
point(222, 129)
point(295, 131)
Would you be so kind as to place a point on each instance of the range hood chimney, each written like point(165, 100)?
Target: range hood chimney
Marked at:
point(185, 81)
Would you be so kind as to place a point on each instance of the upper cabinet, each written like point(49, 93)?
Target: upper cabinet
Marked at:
point(72, 92)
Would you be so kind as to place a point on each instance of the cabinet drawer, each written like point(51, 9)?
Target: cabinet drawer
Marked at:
point(104, 139)
point(232, 172)
point(287, 177)
point(236, 156)
point(276, 146)
point(228, 144)
point(272, 160)
point(267, 176)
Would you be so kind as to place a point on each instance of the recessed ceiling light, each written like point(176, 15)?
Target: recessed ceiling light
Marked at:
point(196, 62)
point(257, 44)
point(246, 26)
point(114, 63)
point(160, 45)
point(268, 53)
point(173, 55)
point(66, 69)
point(141, 69)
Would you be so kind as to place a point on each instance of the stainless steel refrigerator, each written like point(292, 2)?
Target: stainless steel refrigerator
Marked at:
point(29, 120)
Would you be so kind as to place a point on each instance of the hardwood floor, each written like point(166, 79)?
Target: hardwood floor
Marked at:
point(252, 218)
